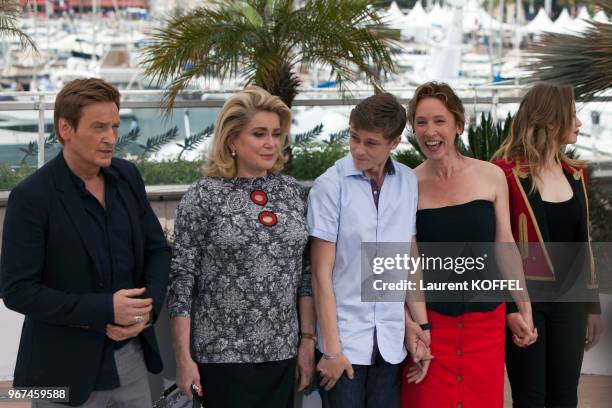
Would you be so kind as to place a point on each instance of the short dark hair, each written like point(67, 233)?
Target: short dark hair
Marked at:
point(77, 94)
point(381, 112)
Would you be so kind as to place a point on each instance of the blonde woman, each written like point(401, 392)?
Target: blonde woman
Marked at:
point(548, 204)
point(237, 279)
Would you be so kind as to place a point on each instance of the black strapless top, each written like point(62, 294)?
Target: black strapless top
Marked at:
point(471, 223)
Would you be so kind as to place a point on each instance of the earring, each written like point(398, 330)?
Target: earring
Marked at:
point(233, 153)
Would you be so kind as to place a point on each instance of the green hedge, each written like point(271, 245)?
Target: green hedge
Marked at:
point(170, 172)
point(310, 162)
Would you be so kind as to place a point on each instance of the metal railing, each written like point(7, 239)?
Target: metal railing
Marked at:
point(475, 99)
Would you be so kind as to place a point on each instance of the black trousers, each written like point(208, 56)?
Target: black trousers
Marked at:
point(248, 385)
point(546, 373)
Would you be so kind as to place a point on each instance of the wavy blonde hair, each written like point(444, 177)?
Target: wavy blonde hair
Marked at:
point(234, 116)
point(531, 139)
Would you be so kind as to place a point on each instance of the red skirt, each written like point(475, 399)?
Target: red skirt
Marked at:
point(468, 366)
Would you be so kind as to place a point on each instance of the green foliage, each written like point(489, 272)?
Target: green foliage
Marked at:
point(10, 11)
point(125, 140)
point(583, 61)
point(338, 138)
point(600, 211)
point(265, 42)
point(154, 144)
point(170, 171)
point(9, 177)
point(312, 161)
point(193, 141)
point(410, 157)
point(305, 138)
point(485, 138)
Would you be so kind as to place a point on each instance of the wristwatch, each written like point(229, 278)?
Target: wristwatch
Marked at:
point(425, 326)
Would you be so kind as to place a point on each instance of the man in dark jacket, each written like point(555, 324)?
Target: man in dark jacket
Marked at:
point(84, 258)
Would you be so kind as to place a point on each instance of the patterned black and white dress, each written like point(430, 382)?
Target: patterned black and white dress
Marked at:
point(238, 279)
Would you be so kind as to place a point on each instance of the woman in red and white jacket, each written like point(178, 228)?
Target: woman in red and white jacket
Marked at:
point(550, 223)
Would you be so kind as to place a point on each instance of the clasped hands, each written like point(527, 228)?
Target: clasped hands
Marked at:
point(131, 314)
point(524, 333)
point(418, 344)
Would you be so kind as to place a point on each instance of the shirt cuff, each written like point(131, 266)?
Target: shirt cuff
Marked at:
point(324, 235)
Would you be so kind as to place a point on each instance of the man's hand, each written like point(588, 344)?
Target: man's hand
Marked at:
point(129, 310)
point(417, 342)
point(187, 374)
point(594, 330)
point(305, 364)
point(331, 370)
point(523, 331)
point(120, 333)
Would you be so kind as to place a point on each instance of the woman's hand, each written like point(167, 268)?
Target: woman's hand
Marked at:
point(418, 371)
point(305, 367)
point(417, 342)
point(187, 374)
point(523, 331)
point(594, 330)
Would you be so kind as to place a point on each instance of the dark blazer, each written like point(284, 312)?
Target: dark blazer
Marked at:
point(49, 275)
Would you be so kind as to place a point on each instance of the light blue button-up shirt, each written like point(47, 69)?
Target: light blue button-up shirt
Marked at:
point(341, 209)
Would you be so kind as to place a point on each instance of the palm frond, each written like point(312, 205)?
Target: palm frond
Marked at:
point(336, 138)
point(155, 143)
point(263, 41)
point(30, 150)
point(193, 141)
point(10, 11)
point(51, 139)
point(583, 60)
point(303, 139)
point(124, 140)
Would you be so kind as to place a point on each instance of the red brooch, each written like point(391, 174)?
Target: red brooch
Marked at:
point(267, 218)
point(259, 197)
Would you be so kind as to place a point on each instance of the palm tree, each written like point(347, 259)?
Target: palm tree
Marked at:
point(10, 11)
point(584, 61)
point(264, 42)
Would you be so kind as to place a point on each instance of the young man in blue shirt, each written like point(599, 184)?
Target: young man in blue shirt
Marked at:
point(365, 197)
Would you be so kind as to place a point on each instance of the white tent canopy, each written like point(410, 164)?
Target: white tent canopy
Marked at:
point(475, 18)
point(416, 24)
point(581, 22)
point(394, 16)
point(601, 17)
point(564, 23)
point(540, 23)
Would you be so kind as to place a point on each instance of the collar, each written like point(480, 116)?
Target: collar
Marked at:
point(350, 169)
point(108, 173)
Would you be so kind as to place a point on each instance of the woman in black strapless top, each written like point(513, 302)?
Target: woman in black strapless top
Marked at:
point(470, 223)
point(462, 201)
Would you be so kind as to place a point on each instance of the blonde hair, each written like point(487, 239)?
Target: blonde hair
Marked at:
point(531, 140)
point(234, 116)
